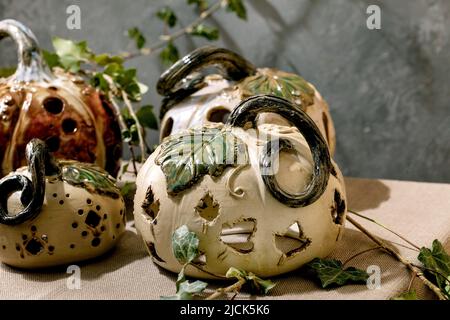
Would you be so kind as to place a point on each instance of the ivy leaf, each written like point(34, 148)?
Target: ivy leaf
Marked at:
point(51, 58)
point(147, 118)
point(128, 189)
point(105, 59)
point(408, 295)
point(6, 72)
point(71, 54)
point(331, 272)
point(209, 33)
point(202, 5)
point(237, 6)
point(137, 36)
point(187, 290)
point(167, 15)
point(188, 156)
point(185, 245)
point(169, 55)
point(256, 284)
point(437, 261)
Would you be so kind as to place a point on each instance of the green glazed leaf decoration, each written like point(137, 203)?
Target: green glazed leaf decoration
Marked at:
point(332, 272)
point(437, 263)
point(281, 84)
point(186, 157)
point(89, 177)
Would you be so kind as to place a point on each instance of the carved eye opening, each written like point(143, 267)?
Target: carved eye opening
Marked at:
point(53, 105)
point(218, 114)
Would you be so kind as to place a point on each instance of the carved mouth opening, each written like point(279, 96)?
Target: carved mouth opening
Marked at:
point(293, 241)
point(238, 235)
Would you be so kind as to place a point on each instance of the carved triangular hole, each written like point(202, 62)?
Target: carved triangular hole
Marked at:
point(150, 205)
point(293, 241)
point(238, 235)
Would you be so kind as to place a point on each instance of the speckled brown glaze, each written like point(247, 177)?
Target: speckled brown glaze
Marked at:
point(74, 119)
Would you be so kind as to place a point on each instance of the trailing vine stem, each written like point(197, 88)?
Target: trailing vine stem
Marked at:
point(236, 287)
point(359, 253)
point(416, 271)
point(384, 227)
point(164, 39)
point(123, 126)
point(137, 123)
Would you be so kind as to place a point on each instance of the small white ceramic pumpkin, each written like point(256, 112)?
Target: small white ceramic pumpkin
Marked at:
point(55, 213)
point(193, 98)
point(265, 198)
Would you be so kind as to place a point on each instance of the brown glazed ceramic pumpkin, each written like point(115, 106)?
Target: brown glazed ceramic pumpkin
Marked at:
point(74, 119)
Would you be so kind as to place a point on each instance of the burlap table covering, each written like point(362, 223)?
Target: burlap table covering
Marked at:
point(419, 211)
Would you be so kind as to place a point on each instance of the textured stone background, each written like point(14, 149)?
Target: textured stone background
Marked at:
point(388, 89)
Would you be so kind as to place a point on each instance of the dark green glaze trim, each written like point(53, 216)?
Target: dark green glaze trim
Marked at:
point(31, 66)
point(248, 111)
point(40, 165)
point(175, 85)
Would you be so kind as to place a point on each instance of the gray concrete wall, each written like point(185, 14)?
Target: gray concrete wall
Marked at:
point(388, 89)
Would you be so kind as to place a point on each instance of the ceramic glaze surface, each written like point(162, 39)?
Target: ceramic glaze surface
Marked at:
point(74, 119)
point(236, 210)
point(212, 99)
point(82, 216)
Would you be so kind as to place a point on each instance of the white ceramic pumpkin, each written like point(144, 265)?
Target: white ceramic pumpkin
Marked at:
point(55, 213)
point(265, 198)
point(194, 98)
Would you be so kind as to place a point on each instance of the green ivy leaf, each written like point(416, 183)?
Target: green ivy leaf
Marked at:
point(437, 261)
point(188, 156)
point(237, 6)
point(185, 245)
point(209, 33)
point(169, 55)
point(51, 58)
point(408, 295)
point(6, 72)
point(202, 5)
point(128, 189)
point(71, 54)
point(105, 59)
point(137, 36)
point(256, 284)
point(332, 272)
point(187, 290)
point(167, 15)
point(147, 118)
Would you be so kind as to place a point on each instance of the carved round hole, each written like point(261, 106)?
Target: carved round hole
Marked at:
point(69, 125)
point(52, 144)
point(218, 114)
point(53, 105)
point(167, 128)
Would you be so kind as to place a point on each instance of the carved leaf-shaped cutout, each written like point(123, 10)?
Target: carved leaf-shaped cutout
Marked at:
point(293, 241)
point(186, 157)
point(207, 208)
point(238, 235)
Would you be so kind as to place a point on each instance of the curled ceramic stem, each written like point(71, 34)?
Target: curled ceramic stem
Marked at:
point(40, 165)
point(31, 66)
point(248, 111)
point(176, 84)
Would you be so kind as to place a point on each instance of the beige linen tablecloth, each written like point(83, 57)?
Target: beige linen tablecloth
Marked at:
point(419, 211)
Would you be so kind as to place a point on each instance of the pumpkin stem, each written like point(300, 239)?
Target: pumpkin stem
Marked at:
point(31, 66)
point(229, 64)
point(40, 165)
point(247, 112)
